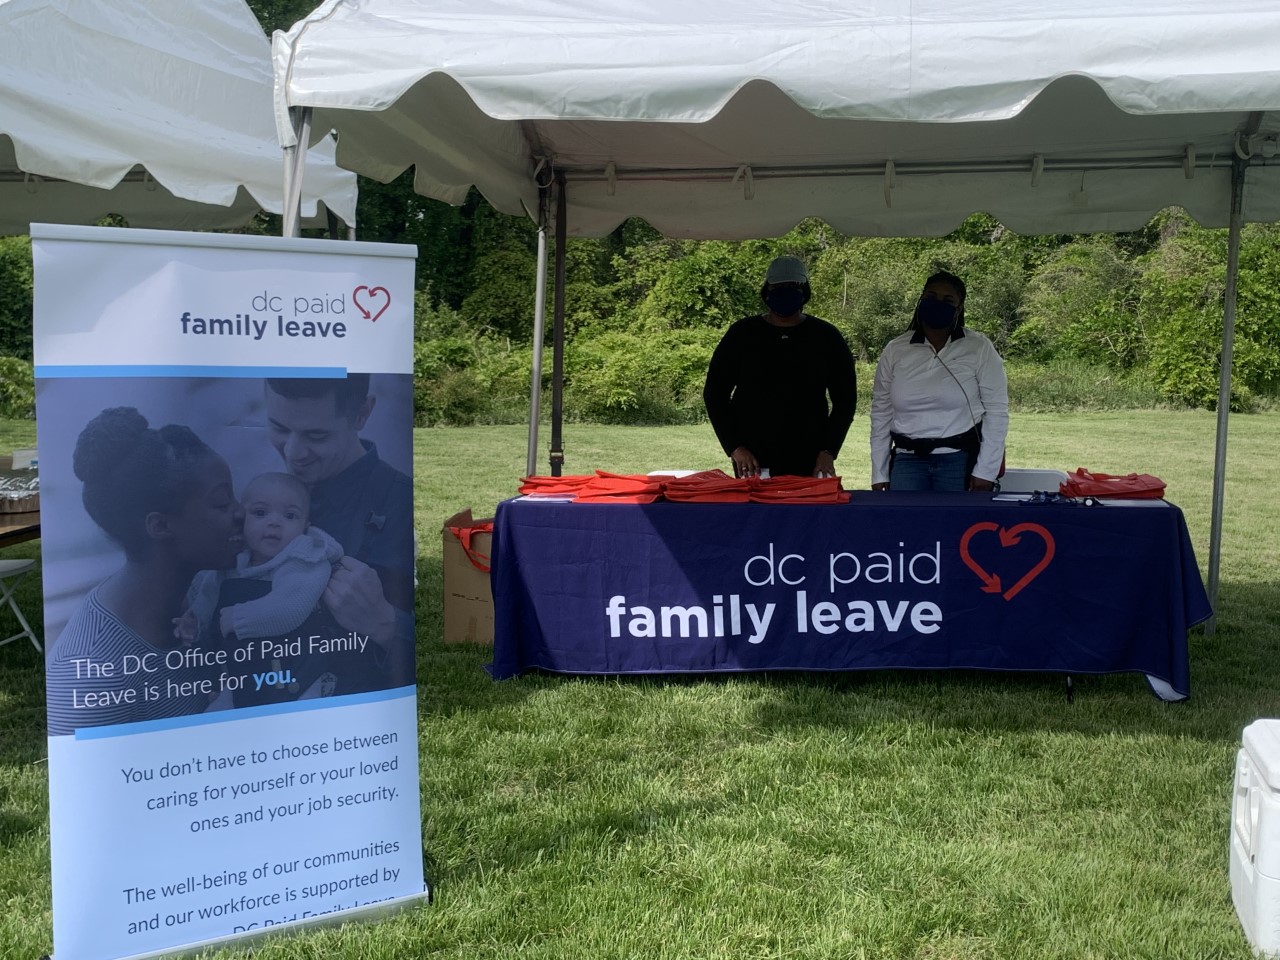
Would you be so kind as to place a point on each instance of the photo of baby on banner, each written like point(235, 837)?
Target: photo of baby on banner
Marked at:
point(242, 541)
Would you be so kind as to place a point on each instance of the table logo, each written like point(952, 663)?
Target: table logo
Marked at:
point(1008, 537)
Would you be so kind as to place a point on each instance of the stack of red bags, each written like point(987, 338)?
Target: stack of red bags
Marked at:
point(709, 486)
point(598, 487)
point(799, 490)
point(1132, 486)
point(539, 486)
point(607, 487)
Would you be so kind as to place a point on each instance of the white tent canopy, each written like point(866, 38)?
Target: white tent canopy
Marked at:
point(159, 112)
point(729, 119)
point(724, 119)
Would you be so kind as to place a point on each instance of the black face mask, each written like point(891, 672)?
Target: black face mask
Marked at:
point(785, 301)
point(936, 314)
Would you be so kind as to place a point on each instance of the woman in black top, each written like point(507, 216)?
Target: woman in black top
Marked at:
point(780, 389)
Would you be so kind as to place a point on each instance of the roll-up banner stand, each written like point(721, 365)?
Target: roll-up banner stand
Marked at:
point(225, 448)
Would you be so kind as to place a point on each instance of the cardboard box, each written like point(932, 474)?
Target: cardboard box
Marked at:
point(468, 599)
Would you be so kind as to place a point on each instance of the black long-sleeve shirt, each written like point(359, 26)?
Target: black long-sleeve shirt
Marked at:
point(767, 390)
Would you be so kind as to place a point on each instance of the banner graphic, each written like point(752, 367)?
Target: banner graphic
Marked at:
point(225, 438)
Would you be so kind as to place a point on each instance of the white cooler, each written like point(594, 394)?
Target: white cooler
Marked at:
point(1255, 836)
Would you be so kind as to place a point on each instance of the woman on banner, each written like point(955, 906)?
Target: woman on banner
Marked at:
point(166, 499)
point(939, 404)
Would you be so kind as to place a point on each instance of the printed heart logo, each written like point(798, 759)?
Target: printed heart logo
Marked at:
point(1010, 537)
point(373, 296)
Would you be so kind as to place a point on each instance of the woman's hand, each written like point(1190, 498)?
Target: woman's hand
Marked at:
point(880, 486)
point(745, 463)
point(977, 484)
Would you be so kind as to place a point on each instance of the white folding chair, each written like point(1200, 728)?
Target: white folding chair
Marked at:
point(11, 574)
point(1029, 480)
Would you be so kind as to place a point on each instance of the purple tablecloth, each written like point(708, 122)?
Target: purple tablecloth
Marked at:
point(889, 581)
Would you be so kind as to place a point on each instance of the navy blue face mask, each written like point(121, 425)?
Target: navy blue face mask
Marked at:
point(785, 301)
point(936, 314)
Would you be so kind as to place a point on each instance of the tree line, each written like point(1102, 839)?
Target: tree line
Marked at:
point(1095, 321)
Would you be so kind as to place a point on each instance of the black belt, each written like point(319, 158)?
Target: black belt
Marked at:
point(969, 442)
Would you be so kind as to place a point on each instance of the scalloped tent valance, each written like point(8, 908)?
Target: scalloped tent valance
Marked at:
point(159, 112)
point(732, 120)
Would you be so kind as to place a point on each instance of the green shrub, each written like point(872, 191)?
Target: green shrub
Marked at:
point(1180, 307)
point(504, 372)
point(638, 379)
point(449, 398)
point(17, 389)
point(1112, 335)
point(1067, 385)
point(1073, 306)
point(868, 289)
point(681, 284)
point(504, 302)
point(15, 297)
point(462, 383)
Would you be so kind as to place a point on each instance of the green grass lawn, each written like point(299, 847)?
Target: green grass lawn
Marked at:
point(894, 815)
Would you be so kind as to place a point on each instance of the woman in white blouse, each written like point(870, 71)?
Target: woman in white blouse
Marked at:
point(940, 403)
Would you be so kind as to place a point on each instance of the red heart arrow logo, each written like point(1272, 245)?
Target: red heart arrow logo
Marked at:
point(1008, 538)
point(374, 294)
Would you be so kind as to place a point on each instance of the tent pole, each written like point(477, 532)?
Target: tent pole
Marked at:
point(287, 219)
point(539, 335)
point(1238, 166)
point(557, 335)
point(295, 161)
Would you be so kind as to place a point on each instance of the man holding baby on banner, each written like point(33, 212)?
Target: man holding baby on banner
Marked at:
point(328, 541)
point(364, 504)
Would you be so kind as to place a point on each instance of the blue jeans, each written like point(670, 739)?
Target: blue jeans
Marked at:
point(932, 471)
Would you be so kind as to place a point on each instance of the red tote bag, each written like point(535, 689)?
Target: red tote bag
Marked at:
point(1130, 486)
